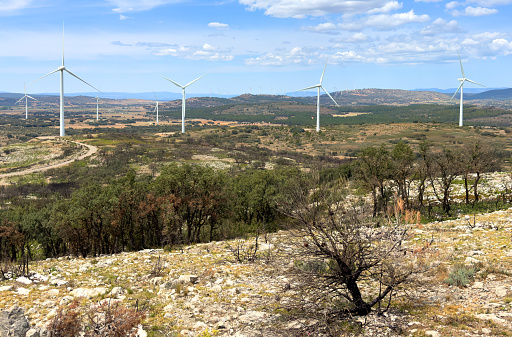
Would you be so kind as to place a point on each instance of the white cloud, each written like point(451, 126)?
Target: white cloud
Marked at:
point(295, 55)
point(347, 57)
point(492, 2)
point(358, 37)
point(205, 52)
point(440, 26)
point(385, 21)
point(125, 6)
point(501, 45)
point(301, 8)
point(123, 17)
point(475, 11)
point(324, 28)
point(14, 6)
point(428, 0)
point(218, 25)
point(389, 7)
point(453, 4)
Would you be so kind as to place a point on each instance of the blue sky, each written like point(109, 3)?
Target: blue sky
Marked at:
point(256, 46)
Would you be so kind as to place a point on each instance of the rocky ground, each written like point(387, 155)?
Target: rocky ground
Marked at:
point(202, 290)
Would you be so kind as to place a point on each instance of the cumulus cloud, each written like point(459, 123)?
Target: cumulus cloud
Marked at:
point(501, 46)
point(358, 37)
point(324, 28)
point(123, 17)
point(385, 21)
point(218, 25)
point(389, 7)
point(301, 8)
point(440, 26)
point(475, 11)
point(453, 4)
point(125, 6)
point(205, 52)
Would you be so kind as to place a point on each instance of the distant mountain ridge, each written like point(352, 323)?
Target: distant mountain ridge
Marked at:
point(347, 97)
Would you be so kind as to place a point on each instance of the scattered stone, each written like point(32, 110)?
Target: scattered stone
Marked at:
point(188, 279)
point(471, 260)
point(253, 316)
point(432, 333)
point(23, 291)
point(490, 317)
point(66, 300)
point(117, 291)
point(24, 280)
point(13, 322)
point(5, 288)
point(88, 293)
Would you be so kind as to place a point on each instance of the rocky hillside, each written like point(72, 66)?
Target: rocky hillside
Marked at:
point(204, 290)
point(235, 288)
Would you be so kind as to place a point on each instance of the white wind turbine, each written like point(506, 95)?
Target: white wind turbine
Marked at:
point(461, 88)
point(98, 106)
point(156, 107)
point(26, 97)
point(62, 68)
point(318, 86)
point(183, 99)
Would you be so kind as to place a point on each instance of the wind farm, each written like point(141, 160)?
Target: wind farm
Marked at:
point(369, 202)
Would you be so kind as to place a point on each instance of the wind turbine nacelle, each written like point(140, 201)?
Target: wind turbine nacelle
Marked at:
point(61, 68)
point(461, 79)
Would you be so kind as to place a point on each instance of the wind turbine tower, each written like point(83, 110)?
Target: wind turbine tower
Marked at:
point(183, 87)
point(156, 107)
point(98, 106)
point(318, 86)
point(26, 97)
point(461, 88)
point(63, 69)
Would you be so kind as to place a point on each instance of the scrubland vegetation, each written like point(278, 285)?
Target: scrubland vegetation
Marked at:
point(350, 197)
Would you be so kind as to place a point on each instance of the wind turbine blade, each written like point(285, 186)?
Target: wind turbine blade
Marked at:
point(475, 82)
point(312, 87)
point(81, 79)
point(20, 99)
point(329, 95)
point(40, 78)
point(462, 69)
point(179, 85)
point(194, 81)
point(63, 44)
point(322, 78)
point(31, 97)
point(460, 86)
point(154, 93)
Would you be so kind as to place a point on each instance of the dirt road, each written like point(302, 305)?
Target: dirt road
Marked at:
point(91, 150)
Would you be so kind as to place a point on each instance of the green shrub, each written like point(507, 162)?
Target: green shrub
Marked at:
point(461, 275)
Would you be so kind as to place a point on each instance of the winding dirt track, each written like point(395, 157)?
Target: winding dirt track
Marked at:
point(92, 150)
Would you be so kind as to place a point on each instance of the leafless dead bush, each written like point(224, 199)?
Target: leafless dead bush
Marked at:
point(345, 259)
point(102, 320)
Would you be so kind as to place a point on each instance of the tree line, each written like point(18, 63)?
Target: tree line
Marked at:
point(187, 203)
